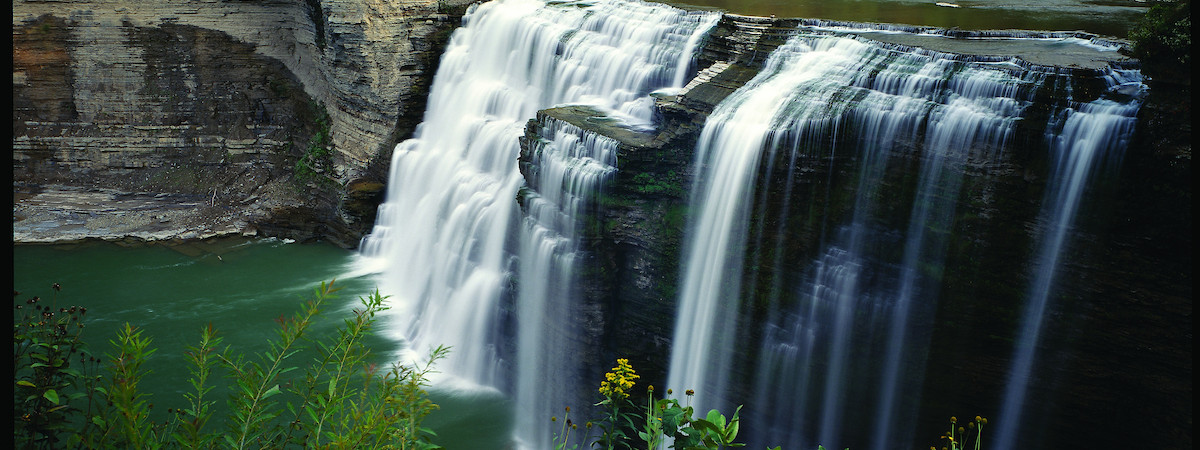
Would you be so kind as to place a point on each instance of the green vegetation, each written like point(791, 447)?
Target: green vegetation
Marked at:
point(645, 183)
point(659, 419)
point(64, 397)
point(1163, 38)
point(318, 156)
point(961, 438)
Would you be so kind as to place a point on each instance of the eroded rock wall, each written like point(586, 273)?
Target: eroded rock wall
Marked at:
point(218, 100)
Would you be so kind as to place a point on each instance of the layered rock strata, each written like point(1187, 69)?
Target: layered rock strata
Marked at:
point(219, 100)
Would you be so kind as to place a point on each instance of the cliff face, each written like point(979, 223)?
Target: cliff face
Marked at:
point(231, 105)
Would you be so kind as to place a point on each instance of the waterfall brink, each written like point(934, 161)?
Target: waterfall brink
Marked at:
point(1081, 140)
point(850, 323)
point(441, 244)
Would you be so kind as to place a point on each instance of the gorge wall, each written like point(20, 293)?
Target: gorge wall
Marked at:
point(214, 105)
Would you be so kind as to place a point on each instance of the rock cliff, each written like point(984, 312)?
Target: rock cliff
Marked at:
point(222, 103)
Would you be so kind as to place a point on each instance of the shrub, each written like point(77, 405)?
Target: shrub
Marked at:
point(1163, 38)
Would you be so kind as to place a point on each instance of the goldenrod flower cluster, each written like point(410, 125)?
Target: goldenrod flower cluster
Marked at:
point(617, 383)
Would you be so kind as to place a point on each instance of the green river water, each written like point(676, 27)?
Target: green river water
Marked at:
point(241, 287)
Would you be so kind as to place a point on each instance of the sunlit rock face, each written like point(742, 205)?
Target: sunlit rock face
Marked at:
point(220, 100)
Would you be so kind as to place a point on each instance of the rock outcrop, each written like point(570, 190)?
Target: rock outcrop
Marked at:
point(219, 101)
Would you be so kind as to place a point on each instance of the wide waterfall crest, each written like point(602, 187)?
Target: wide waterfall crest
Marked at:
point(807, 90)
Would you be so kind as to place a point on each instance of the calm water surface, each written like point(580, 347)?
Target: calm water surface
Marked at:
point(1103, 17)
point(241, 287)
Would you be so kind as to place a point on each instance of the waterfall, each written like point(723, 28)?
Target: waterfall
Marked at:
point(727, 155)
point(442, 241)
point(1090, 133)
point(570, 167)
point(841, 335)
point(818, 95)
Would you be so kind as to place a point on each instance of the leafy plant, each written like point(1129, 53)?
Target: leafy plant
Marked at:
point(661, 420)
point(714, 431)
point(318, 155)
point(341, 401)
point(129, 423)
point(52, 374)
point(615, 389)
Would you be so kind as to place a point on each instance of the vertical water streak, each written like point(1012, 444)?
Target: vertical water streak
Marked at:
point(976, 121)
point(1089, 134)
point(569, 168)
point(794, 98)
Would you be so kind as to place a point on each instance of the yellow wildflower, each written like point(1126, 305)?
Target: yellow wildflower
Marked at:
point(619, 381)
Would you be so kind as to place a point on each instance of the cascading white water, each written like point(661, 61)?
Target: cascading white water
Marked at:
point(441, 241)
point(570, 168)
point(449, 237)
point(1090, 133)
point(728, 155)
point(810, 89)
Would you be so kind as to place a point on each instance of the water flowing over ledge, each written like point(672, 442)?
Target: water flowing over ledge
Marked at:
point(442, 242)
point(813, 334)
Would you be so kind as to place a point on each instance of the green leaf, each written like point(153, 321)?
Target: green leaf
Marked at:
point(26, 383)
point(716, 418)
point(98, 421)
point(52, 396)
point(270, 392)
point(704, 425)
